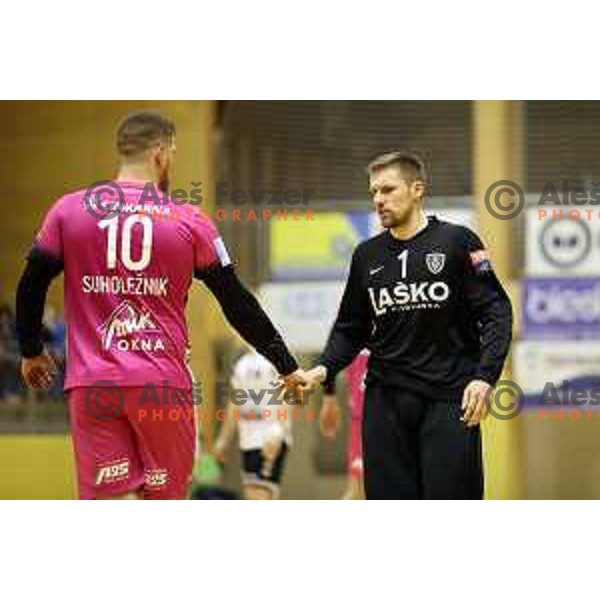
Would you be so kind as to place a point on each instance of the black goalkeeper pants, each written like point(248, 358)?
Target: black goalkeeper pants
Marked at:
point(417, 448)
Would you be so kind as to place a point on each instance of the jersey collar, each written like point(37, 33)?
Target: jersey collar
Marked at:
point(431, 222)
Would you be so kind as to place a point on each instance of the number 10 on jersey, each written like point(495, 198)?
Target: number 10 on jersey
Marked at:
point(113, 226)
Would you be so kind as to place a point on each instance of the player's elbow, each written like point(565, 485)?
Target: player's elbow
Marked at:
point(503, 323)
point(497, 316)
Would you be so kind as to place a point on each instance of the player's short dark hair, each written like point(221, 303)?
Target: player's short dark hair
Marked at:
point(141, 130)
point(410, 163)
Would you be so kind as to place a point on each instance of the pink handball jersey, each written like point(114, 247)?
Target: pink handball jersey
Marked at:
point(355, 375)
point(126, 282)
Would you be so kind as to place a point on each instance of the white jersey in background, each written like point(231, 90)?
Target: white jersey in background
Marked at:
point(254, 372)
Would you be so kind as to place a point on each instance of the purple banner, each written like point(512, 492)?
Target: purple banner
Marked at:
point(561, 308)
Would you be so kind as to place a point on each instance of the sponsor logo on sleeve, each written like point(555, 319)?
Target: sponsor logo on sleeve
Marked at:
point(480, 261)
point(221, 251)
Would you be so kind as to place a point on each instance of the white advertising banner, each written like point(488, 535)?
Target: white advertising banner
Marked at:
point(538, 362)
point(303, 312)
point(561, 247)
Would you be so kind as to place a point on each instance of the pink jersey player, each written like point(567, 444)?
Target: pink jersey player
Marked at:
point(126, 285)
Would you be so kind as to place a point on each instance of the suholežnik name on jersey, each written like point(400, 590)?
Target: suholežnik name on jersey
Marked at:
point(113, 284)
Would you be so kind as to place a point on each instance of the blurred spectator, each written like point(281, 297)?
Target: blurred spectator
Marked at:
point(10, 386)
point(56, 331)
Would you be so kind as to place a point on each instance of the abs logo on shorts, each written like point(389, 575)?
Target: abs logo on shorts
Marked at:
point(156, 478)
point(409, 296)
point(113, 471)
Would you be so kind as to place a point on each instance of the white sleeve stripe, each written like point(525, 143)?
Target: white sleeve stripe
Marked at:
point(222, 253)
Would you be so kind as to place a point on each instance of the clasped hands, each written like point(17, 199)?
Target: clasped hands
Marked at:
point(304, 380)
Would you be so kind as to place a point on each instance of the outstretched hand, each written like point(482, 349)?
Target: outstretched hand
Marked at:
point(294, 380)
point(304, 380)
point(39, 372)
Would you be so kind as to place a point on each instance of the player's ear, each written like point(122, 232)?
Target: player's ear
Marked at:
point(152, 156)
point(419, 187)
point(159, 156)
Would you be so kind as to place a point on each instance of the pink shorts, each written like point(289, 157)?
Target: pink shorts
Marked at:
point(355, 460)
point(125, 441)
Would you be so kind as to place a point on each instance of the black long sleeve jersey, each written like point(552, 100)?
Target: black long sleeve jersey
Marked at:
point(430, 309)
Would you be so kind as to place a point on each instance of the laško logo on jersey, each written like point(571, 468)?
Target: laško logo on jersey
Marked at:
point(409, 296)
point(129, 329)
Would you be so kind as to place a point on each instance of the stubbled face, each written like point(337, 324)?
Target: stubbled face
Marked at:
point(396, 198)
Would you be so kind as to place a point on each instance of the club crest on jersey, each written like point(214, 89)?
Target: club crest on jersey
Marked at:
point(435, 262)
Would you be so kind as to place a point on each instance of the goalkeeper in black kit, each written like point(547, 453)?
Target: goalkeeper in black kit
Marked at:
point(423, 298)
